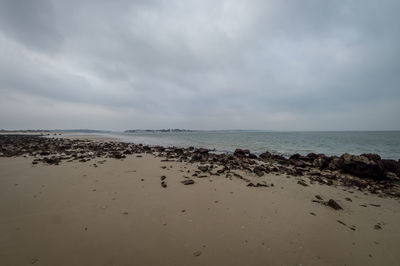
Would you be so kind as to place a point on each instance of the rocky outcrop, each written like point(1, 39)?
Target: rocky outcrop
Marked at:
point(365, 172)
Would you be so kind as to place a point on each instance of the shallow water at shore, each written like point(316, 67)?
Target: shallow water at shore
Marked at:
point(384, 143)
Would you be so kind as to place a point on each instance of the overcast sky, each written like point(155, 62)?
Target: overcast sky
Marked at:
point(207, 64)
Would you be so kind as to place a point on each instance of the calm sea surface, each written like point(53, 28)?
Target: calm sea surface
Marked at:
point(384, 143)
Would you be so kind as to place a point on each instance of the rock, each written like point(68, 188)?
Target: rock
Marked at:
point(361, 166)
point(333, 204)
point(388, 175)
point(391, 166)
point(372, 156)
point(319, 163)
point(257, 185)
point(265, 155)
point(318, 197)
point(203, 168)
point(335, 163)
point(252, 156)
point(378, 226)
point(202, 151)
point(374, 205)
point(197, 253)
point(302, 182)
point(315, 172)
point(163, 177)
point(163, 184)
point(241, 153)
point(259, 171)
point(187, 182)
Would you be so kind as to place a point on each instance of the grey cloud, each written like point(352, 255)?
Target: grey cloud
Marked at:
point(203, 64)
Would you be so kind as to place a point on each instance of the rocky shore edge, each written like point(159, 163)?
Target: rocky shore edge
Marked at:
point(365, 172)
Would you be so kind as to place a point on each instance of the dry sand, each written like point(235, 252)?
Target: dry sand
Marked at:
point(118, 214)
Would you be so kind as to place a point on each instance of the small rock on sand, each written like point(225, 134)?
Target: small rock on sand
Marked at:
point(187, 182)
point(378, 226)
point(333, 204)
point(197, 253)
point(302, 182)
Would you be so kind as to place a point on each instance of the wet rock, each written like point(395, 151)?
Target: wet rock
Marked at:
point(241, 153)
point(259, 171)
point(391, 166)
point(389, 175)
point(202, 151)
point(372, 156)
point(265, 155)
point(361, 166)
point(315, 172)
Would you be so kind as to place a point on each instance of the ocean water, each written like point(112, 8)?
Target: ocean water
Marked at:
point(384, 143)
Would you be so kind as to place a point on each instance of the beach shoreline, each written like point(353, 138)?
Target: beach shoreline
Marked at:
point(103, 202)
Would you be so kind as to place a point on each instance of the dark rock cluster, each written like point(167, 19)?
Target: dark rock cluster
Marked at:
point(367, 172)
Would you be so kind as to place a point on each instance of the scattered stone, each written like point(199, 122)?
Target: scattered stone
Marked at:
point(203, 168)
point(259, 171)
point(163, 178)
point(366, 172)
point(187, 182)
point(302, 182)
point(375, 205)
point(318, 197)
point(313, 214)
point(197, 253)
point(378, 226)
point(163, 184)
point(349, 199)
point(333, 204)
point(257, 185)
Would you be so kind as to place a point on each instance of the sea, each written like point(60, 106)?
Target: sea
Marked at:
point(384, 143)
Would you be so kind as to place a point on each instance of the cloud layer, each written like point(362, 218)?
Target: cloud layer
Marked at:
point(278, 65)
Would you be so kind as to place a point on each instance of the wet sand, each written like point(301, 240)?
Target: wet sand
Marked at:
point(119, 214)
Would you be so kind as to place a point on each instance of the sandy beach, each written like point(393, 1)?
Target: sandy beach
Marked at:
point(116, 212)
